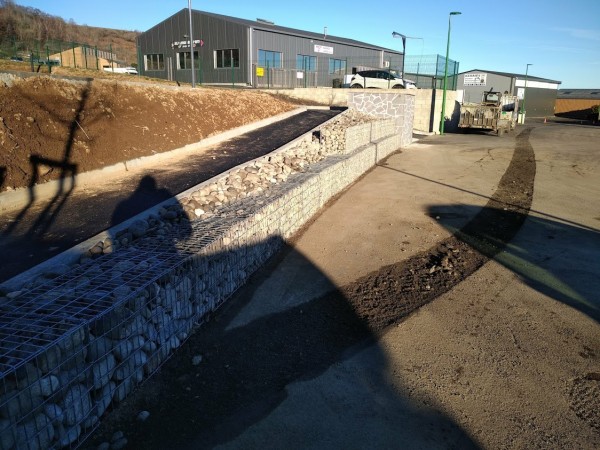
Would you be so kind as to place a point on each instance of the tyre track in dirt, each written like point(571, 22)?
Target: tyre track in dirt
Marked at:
point(390, 294)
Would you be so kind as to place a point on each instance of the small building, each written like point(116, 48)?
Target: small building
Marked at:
point(232, 51)
point(578, 103)
point(539, 99)
point(85, 57)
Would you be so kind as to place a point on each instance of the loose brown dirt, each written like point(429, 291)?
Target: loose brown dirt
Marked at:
point(50, 128)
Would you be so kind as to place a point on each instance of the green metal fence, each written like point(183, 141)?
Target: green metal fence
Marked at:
point(59, 53)
point(428, 71)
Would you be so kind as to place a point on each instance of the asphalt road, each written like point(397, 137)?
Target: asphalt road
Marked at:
point(44, 229)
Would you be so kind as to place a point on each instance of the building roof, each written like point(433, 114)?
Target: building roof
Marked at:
point(270, 26)
point(514, 75)
point(579, 94)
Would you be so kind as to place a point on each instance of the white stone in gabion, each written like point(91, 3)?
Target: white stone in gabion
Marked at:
point(102, 371)
point(182, 310)
point(98, 348)
point(133, 328)
point(123, 349)
point(50, 359)
point(35, 434)
point(54, 413)
point(76, 404)
point(168, 296)
point(46, 386)
point(149, 347)
point(124, 370)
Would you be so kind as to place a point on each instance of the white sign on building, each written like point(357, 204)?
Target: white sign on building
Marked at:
point(323, 49)
point(475, 79)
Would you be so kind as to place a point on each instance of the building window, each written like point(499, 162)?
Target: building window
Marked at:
point(184, 60)
point(225, 59)
point(337, 66)
point(306, 63)
point(267, 58)
point(154, 62)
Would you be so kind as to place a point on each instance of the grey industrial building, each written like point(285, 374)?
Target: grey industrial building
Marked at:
point(540, 95)
point(228, 50)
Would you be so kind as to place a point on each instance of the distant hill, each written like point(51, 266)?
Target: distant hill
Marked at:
point(25, 30)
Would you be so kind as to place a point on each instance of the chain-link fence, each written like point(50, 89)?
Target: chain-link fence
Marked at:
point(60, 53)
point(428, 71)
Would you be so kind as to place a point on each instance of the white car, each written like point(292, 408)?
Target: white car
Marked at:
point(381, 79)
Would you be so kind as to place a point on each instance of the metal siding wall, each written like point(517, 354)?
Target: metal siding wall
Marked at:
point(217, 34)
point(474, 94)
point(221, 34)
point(291, 46)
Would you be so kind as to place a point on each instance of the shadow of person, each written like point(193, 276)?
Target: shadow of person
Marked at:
point(146, 195)
point(289, 362)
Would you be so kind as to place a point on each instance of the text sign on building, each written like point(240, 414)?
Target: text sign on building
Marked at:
point(180, 44)
point(260, 71)
point(323, 49)
point(475, 79)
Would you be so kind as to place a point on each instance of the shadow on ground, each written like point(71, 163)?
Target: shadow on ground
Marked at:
point(289, 361)
point(560, 260)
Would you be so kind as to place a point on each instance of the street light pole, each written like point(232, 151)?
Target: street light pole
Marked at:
point(523, 110)
point(404, 38)
point(192, 45)
point(395, 34)
point(453, 13)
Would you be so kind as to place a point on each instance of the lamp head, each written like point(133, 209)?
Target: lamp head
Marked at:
point(396, 34)
point(455, 13)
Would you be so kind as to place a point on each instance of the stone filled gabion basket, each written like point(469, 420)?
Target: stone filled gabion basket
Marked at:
point(77, 340)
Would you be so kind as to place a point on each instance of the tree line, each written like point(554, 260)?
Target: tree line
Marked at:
point(24, 30)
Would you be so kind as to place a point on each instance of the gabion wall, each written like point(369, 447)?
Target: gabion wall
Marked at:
point(79, 339)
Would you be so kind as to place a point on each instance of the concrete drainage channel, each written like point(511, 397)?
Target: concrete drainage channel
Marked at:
point(78, 339)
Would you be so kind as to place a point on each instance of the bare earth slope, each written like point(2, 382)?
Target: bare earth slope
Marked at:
point(51, 128)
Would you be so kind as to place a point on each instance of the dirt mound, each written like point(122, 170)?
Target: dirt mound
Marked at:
point(50, 128)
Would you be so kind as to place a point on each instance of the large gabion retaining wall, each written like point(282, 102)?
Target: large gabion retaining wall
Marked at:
point(77, 340)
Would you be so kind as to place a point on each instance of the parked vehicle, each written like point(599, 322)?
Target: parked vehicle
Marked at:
point(497, 112)
point(128, 70)
point(381, 79)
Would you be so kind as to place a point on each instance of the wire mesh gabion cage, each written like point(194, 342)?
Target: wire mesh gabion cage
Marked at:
point(73, 346)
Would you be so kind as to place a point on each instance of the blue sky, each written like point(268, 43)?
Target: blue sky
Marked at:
point(561, 39)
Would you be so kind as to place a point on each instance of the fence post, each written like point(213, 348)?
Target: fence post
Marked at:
point(96, 54)
point(74, 60)
point(48, 59)
point(112, 64)
point(268, 76)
